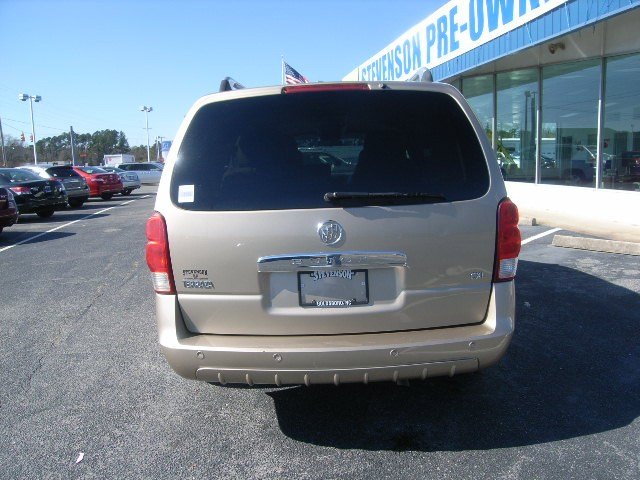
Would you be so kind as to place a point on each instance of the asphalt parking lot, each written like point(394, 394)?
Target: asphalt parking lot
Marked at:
point(86, 393)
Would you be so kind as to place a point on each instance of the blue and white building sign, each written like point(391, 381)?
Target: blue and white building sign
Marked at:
point(454, 29)
point(166, 146)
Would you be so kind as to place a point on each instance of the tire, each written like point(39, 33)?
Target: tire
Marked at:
point(45, 213)
point(106, 196)
point(76, 203)
point(127, 192)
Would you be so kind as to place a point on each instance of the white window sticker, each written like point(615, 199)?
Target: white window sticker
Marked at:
point(186, 193)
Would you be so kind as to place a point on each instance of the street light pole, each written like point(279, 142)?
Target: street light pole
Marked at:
point(23, 97)
point(146, 111)
point(4, 158)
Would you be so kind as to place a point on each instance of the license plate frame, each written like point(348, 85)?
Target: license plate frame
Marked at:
point(332, 280)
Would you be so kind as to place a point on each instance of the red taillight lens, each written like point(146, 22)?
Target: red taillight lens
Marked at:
point(158, 258)
point(20, 190)
point(507, 243)
point(321, 87)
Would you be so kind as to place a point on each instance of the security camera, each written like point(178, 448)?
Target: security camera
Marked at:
point(555, 46)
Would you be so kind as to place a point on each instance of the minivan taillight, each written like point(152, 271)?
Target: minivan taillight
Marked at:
point(507, 243)
point(158, 258)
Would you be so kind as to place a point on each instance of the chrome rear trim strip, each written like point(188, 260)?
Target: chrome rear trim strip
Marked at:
point(294, 262)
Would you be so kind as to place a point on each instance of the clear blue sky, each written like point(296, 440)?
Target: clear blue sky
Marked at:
point(95, 62)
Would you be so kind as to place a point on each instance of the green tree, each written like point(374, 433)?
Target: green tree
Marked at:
point(123, 144)
point(106, 142)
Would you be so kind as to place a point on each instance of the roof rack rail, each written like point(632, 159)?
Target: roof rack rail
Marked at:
point(422, 75)
point(230, 84)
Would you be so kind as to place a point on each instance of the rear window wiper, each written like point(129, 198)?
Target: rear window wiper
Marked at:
point(386, 197)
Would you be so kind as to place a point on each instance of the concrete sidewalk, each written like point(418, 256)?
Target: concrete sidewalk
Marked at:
point(608, 214)
point(610, 230)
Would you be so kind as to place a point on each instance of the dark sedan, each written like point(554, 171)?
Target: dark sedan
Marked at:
point(8, 209)
point(32, 193)
point(76, 186)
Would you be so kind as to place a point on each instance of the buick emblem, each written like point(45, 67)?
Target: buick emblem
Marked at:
point(330, 232)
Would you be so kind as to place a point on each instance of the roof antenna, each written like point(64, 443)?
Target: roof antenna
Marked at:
point(229, 84)
point(422, 75)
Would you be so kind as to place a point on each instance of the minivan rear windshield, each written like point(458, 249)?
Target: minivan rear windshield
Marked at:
point(289, 151)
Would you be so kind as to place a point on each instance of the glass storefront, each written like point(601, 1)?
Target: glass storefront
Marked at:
point(570, 95)
point(564, 140)
point(479, 93)
point(517, 113)
point(621, 129)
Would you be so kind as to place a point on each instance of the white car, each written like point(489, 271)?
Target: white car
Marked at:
point(149, 173)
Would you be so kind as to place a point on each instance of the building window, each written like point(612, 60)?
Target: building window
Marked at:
point(517, 93)
point(455, 83)
point(570, 95)
point(621, 130)
point(479, 93)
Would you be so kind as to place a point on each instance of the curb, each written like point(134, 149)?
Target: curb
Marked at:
point(596, 245)
point(528, 221)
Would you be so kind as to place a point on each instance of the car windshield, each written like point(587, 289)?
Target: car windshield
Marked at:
point(92, 170)
point(113, 169)
point(19, 175)
point(288, 151)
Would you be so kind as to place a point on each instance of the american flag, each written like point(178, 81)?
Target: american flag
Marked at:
point(292, 76)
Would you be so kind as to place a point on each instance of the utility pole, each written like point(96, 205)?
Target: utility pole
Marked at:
point(158, 145)
point(73, 152)
point(4, 159)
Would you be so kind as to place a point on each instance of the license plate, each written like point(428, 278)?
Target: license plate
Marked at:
point(47, 188)
point(333, 288)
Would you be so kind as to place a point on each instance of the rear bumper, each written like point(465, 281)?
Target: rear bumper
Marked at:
point(101, 189)
point(353, 358)
point(78, 193)
point(31, 205)
point(113, 188)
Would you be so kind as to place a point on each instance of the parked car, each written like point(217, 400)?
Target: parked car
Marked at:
point(8, 208)
point(76, 186)
point(33, 194)
point(130, 180)
point(629, 165)
point(101, 183)
point(267, 271)
point(149, 173)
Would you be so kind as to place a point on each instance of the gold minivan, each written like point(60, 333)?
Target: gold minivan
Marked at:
point(332, 233)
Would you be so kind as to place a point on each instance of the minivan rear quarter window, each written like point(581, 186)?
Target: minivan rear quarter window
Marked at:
point(62, 172)
point(289, 151)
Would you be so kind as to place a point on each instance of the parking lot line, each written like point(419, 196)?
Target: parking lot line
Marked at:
point(70, 223)
point(540, 235)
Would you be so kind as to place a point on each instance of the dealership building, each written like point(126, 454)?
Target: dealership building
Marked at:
point(556, 86)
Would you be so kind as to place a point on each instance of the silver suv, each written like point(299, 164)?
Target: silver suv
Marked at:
point(332, 233)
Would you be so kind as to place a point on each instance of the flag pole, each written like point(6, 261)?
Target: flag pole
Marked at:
point(282, 67)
